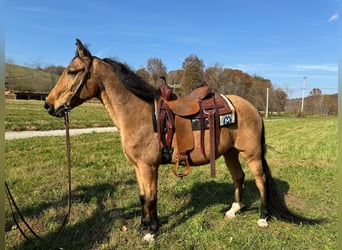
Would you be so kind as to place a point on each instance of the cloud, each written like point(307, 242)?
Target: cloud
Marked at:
point(321, 67)
point(101, 53)
point(253, 67)
point(333, 18)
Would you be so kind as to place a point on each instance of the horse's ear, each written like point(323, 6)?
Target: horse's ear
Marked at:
point(81, 49)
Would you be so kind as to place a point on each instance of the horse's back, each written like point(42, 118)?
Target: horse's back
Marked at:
point(243, 105)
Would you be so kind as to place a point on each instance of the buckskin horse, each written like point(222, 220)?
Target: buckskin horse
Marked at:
point(130, 102)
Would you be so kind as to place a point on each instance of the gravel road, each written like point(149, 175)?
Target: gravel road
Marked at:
point(13, 135)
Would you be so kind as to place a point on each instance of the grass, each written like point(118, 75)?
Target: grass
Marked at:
point(30, 115)
point(29, 79)
point(302, 156)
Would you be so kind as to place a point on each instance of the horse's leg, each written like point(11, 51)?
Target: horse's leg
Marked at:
point(234, 166)
point(147, 177)
point(254, 162)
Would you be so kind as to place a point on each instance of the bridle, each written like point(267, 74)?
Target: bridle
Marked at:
point(12, 204)
point(81, 83)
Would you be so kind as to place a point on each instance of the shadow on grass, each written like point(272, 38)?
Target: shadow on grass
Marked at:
point(84, 233)
point(206, 194)
point(97, 227)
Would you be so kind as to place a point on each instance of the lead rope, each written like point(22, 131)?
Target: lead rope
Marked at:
point(14, 207)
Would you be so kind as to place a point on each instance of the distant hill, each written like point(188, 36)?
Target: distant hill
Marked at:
point(20, 78)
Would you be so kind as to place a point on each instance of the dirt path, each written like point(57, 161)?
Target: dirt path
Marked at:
point(13, 135)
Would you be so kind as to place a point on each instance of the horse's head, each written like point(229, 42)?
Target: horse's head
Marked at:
point(75, 85)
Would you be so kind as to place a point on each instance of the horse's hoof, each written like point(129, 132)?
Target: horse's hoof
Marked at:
point(262, 223)
point(236, 207)
point(230, 215)
point(150, 237)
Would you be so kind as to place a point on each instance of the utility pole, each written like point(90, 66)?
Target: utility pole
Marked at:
point(303, 93)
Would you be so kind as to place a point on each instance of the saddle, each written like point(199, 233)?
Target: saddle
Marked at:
point(201, 110)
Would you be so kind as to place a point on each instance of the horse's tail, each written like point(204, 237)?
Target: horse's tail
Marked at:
point(276, 203)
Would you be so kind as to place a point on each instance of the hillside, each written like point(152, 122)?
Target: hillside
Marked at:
point(20, 78)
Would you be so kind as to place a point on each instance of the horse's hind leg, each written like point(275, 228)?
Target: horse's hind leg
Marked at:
point(254, 162)
point(238, 176)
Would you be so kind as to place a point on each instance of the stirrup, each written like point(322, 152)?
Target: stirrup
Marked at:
point(181, 158)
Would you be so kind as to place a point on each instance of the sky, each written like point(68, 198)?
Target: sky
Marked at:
point(283, 41)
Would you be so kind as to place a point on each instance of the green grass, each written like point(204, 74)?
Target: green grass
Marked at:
point(30, 115)
point(29, 79)
point(302, 156)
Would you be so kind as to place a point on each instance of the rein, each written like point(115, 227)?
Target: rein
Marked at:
point(14, 207)
point(11, 201)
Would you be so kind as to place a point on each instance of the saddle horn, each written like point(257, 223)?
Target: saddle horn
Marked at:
point(166, 90)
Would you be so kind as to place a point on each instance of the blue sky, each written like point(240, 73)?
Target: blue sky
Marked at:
point(279, 40)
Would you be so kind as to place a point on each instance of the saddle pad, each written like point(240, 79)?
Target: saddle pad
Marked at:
point(230, 118)
point(225, 119)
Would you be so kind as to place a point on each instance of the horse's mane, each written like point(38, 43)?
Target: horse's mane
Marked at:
point(133, 82)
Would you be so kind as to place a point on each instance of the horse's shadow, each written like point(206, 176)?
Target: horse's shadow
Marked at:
point(79, 235)
point(210, 193)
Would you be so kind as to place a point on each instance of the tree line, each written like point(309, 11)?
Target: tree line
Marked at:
point(194, 73)
point(234, 82)
point(223, 80)
point(318, 103)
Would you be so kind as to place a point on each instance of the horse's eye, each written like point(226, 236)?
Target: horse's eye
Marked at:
point(72, 72)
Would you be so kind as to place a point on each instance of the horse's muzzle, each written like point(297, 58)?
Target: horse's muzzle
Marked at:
point(51, 110)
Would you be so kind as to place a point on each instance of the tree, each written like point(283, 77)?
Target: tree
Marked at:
point(330, 105)
point(314, 101)
point(316, 92)
point(156, 69)
point(10, 74)
point(278, 99)
point(193, 73)
point(239, 83)
point(143, 74)
point(55, 72)
point(217, 79)
point(36, 64)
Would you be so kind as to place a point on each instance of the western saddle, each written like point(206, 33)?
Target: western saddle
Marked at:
point(201, 110)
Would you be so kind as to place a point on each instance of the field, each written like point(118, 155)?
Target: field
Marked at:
point(21, 115)
point(105, 205)
point(29, 79)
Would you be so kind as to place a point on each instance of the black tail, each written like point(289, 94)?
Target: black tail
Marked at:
point(276, 202)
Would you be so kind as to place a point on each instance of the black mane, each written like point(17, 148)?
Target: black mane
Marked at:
point(133, 82)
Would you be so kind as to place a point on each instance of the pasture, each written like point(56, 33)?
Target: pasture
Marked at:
point(105, 202)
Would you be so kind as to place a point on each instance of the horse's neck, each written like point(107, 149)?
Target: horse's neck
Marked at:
point(125, 109)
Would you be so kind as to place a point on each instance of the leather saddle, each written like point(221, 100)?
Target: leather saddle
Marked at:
point(201, 110)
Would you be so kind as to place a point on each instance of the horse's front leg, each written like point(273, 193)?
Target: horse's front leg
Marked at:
point(147, 177)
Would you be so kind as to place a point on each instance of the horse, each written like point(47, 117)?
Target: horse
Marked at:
point(129, 101)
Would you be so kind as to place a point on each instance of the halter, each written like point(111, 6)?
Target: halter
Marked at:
point(81, 83)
